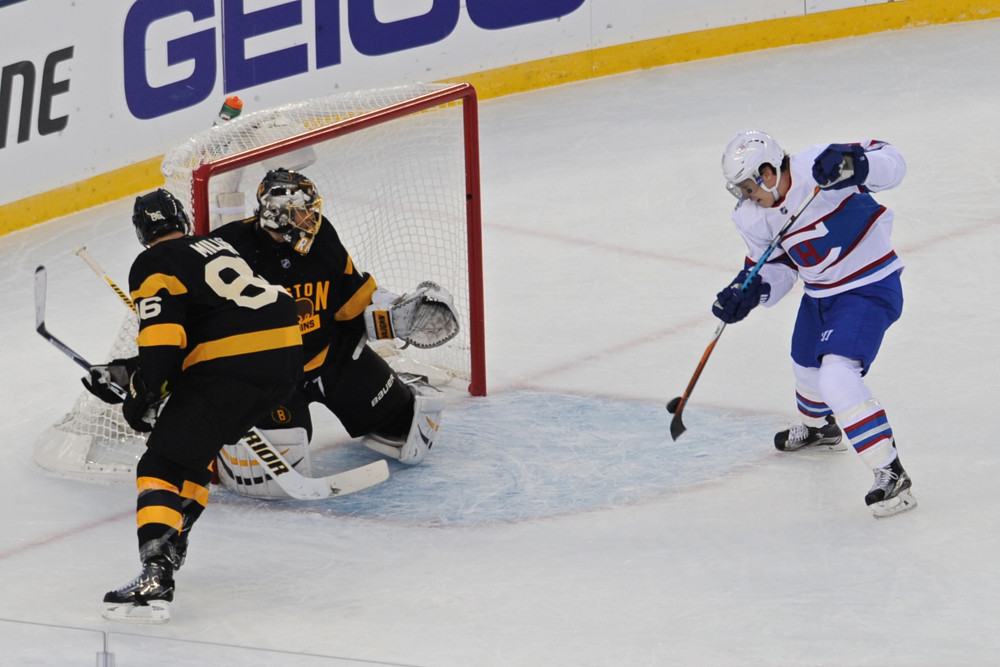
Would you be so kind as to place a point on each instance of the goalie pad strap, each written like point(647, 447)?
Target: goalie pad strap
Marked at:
point(381, 324)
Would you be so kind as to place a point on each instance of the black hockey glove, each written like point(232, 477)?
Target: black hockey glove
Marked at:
point(841, 166)
point(109, 382)
point(734, 303)
point(141, 406)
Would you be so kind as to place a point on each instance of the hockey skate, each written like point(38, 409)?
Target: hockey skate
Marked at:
point(145, 599)
point(827, 438)
point(890, 495)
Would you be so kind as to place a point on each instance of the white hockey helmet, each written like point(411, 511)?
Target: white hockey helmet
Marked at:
point(745, 155)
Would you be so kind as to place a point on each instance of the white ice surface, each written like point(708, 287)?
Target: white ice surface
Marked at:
point(556, 523)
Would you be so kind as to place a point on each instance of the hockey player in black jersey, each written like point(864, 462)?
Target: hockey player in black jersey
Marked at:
point(340, 308)
point(219, 348)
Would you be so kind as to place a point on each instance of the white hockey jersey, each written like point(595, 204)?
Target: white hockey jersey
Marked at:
point(843, 238)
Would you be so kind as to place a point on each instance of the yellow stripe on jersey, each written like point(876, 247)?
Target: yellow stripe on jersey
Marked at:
point(316, 361)
point(157, 282)
point(159, 514)
point(232, 346)
point(163, 334)
point(195, 492)
point(357, 303)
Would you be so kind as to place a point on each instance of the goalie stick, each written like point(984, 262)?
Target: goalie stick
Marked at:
point(299, 486)
point(272, 462)
point(676, 405)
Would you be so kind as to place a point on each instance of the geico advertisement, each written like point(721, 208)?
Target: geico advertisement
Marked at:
point(88, 87)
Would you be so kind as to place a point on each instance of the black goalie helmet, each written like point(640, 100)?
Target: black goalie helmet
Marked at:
point(156, 214)
point(289, 205)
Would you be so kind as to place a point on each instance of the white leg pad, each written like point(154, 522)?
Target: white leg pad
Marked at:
point(240, 472)
point(428, 404)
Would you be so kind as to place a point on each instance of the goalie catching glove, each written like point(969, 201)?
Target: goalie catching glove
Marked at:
point(424, 318)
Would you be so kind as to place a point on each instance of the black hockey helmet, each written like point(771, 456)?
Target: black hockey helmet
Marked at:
point(289, 205)
point(156, 214)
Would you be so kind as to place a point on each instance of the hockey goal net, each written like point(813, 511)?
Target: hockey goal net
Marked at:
point(398, 170)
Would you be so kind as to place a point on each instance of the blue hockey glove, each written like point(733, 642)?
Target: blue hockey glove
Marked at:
point(841, 166)
point(734, 303)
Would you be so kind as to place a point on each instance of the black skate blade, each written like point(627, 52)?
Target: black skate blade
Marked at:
point(898, 504)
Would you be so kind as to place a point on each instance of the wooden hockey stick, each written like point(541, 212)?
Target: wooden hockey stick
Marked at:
point(676, 405)
point(272, 462)
point(92, 263)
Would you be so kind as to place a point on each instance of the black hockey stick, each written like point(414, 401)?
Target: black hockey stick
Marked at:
point(676, 405)
point(40, 280)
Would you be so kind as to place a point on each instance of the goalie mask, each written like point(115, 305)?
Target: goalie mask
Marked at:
point(745, 155)
point(156, 214)
point(289, 205)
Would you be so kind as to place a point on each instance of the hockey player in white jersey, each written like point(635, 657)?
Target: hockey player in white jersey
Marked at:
point(840, 247)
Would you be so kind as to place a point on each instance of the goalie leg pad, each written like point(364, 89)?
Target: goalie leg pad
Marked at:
point(240, 472)
point(428, 404)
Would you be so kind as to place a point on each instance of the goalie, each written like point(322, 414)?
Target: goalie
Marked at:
point(288, 242)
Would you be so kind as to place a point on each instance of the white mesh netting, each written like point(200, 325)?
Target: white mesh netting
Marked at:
point(93, 440)
point(394, 188)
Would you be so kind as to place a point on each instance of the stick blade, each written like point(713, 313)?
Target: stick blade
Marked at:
point(39, 298)
point(357, 479)
point(677, 426)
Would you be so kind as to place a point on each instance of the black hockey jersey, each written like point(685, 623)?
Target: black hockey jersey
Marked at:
point(331, 293)
point(202, 310)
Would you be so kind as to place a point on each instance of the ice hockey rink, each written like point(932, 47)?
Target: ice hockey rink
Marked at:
point(556, 522)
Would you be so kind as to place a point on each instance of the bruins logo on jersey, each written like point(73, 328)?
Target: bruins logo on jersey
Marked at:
point(281, 415)
point(308, 319)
